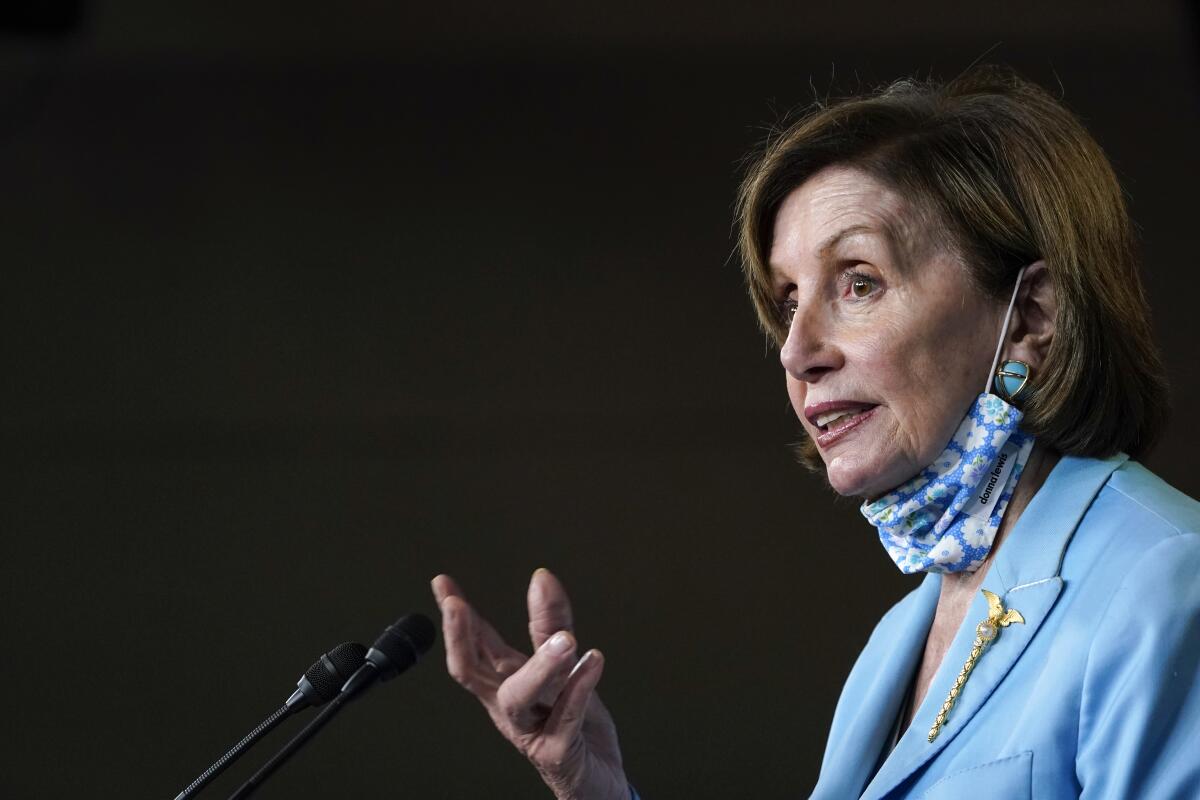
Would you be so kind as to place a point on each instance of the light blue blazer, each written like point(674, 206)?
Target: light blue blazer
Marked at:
point(1097, 695)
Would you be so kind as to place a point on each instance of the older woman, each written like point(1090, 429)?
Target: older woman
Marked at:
point(949, 271)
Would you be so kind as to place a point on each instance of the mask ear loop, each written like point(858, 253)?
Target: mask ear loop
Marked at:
point(1003, 332)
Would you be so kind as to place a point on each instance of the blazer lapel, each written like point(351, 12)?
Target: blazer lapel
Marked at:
point(914, 749)
point(1024, 574)
point(872, 696)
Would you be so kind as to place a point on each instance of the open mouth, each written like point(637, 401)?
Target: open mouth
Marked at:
point(838, 419)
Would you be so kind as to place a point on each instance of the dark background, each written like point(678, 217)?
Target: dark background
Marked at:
point(304, 303)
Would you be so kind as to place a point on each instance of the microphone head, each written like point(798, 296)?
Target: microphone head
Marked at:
point(346, 658)
point(323, 680)
point(401, 645)
point(332, 669)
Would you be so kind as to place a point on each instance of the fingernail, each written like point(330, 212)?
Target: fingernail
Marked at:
point(559, 643)
point(583, 662)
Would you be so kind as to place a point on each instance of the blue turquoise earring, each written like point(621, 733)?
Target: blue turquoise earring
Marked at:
point(1011, 379)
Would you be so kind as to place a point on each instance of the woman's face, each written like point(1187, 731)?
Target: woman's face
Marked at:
point(889, 341)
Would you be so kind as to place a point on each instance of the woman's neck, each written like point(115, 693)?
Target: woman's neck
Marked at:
point(1037, 469)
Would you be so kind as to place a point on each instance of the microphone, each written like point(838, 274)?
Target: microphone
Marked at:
point(319, 684)
point(399, 647)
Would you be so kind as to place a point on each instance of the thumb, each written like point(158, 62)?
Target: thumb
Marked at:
point(549, 607)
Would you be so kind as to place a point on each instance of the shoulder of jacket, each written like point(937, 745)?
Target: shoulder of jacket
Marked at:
point(1160, 587)
point(1148, 500)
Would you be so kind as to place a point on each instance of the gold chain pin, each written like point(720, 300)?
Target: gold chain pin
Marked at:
point(985, 632)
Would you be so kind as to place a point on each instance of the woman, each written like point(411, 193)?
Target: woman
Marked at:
point(950, 274)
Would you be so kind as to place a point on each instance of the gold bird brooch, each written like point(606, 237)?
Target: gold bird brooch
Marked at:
point(985, 633)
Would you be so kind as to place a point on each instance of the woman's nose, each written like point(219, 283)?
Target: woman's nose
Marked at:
point(807, 353)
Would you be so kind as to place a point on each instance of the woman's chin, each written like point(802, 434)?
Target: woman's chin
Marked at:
point(845, 479)
point(850, 477)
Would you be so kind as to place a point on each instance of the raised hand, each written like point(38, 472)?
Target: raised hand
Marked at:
point(545, 704)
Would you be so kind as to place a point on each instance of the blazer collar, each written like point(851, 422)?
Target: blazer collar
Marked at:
point(1034, 548)
point(863, 728)
point(1025, 575)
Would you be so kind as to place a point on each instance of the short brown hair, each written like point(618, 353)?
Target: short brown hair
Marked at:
point(1011, 177)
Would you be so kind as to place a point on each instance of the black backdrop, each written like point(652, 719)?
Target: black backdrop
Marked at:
point(304, 304)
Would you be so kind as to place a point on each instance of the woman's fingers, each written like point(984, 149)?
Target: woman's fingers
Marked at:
point(525, 692)
point(442, 586)
point(462, 653)
point(526, 698)
point(488, 639)
point(476, 656)
point(545, 704)
point(549, 608)
point(567, 717)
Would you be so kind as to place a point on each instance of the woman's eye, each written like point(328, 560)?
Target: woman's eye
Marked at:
point(861, 285)
point(787, 312)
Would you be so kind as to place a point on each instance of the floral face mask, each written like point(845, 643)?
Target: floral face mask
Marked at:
point(945, 518)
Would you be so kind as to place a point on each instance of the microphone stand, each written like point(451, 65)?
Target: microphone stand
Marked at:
point(265, 727)
point(366, 675)
point(395, 650)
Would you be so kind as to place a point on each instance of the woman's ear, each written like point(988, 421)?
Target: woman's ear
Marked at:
point(1034, 315)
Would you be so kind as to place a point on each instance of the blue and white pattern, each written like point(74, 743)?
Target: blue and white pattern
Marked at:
point(945, 519)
